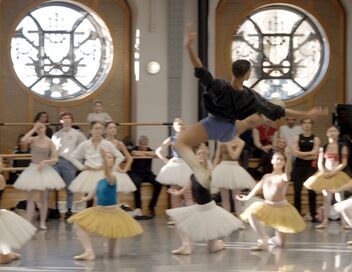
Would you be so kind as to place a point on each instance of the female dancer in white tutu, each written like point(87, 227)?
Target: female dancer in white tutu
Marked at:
point(344, 207)
point(332, 160)
point(176, 172)
point(92, 169)
point(107, 219)
point(125, 184)
point(39, 175)
point(204, 221)
point(229, 175)
point(275, 211)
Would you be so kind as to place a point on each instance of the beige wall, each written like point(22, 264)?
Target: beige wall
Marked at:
point(18, 105)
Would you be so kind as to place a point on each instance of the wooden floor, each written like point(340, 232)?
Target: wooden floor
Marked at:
point(311, 250)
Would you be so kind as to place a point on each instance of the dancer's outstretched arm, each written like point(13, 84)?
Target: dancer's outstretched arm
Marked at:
point(252, 193)
point(190, 37)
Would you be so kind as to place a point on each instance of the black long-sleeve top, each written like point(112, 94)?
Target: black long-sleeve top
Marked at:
point(221, 100)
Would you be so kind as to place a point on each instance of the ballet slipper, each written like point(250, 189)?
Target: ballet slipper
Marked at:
point(217, 246)
point(86, 256)
point(349, 242)
point(182, 250)
point(273, 242)
point(5, 259)
point(43, 227)
point(260, 247)
point(323, 225)
point(170, 223)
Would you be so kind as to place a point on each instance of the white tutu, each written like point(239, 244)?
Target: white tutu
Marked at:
point(124, 183)
point(175, 172)
point(345, 205)
point(14, 231)
point(230, 175)
point(33, 179)
point(86, 181)
point(204, 222)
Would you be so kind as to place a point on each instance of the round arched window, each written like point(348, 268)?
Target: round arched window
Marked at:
point(288, 50)
point(61, 50)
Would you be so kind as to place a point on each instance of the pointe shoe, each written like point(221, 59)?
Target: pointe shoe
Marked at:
point(42, 227)
point(242, 227)
point(323, 225)
point(182, 251)
point(217, 246)
point(349, 243)
point(86, 256)
point(260, 247)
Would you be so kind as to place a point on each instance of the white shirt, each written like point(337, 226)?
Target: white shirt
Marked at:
point(66, 141)
point(288, 133)
point(99, 117)
point(91, 155)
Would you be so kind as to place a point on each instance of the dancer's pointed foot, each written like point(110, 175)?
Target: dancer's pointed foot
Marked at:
point(182, 250)
point(86, 256)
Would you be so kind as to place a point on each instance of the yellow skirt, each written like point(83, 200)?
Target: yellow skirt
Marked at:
point(110, 222)
point(282, 217)
point(318, 182)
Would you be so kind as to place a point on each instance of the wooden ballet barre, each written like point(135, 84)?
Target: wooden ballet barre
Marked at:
point(25, 156)
point(13, 168)
point(87, 124)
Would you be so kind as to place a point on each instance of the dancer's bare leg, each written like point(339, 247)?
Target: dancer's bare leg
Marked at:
point(186, 247)
point(327, 204)
point(112, 247)
point(251, 121)
point(43, 210)
point(259, 229)
point(30, 206)
point(225, 199)
point(83, 236)
point(192, 137)
point(238, 203)
point(344, 223)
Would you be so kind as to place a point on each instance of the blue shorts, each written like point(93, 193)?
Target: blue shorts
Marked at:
point(218, 129)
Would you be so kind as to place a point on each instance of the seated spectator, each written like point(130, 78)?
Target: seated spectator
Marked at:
point(141, 171)
point(98, 115)
point(264, 138)
point(43, 117)
point(21, 148)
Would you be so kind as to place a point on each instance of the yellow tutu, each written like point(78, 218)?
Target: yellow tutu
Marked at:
point(110, 222)
point(318, 182)
point(282, 217)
